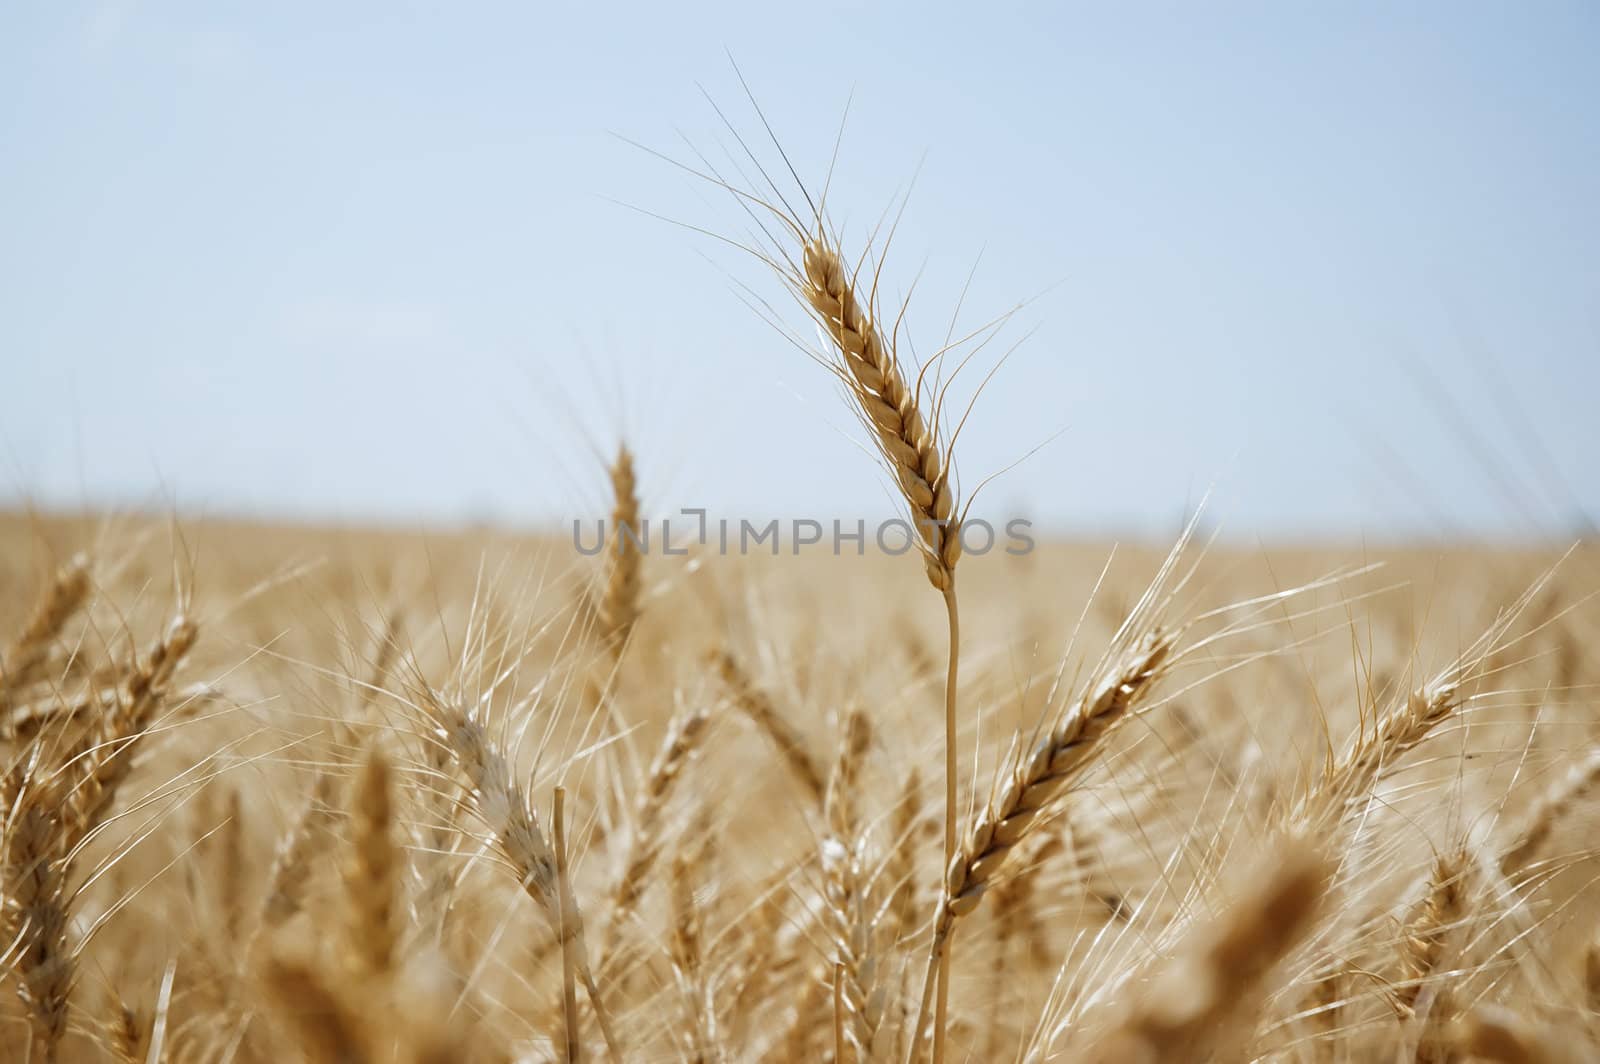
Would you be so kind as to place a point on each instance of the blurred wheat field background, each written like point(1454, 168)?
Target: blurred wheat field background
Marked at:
point(246, 819)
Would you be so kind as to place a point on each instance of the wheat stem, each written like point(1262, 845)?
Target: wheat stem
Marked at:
point(943, 1003)
point(564, 907)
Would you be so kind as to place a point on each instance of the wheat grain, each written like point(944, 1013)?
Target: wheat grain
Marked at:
point(372, 870)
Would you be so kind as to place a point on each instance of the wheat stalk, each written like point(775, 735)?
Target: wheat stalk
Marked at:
point(231, 868)
point(567, 928)
point(892, 408)
point(1591, 976)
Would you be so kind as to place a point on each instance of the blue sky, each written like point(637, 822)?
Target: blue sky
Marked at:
point(380, 260)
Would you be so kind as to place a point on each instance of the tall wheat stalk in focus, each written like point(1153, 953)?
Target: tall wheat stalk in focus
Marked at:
point(892, 407)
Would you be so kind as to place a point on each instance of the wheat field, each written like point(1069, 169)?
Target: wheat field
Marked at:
point(281, 793)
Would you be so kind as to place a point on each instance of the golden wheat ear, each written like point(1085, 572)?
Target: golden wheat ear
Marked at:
point(646, 842)
point(325, 1027)
point(758, 706)
point(618, 608)
point(111, 760)
point(1426, 935)
point(1551, 808)
point(38, 910)
point(1032, 782)
point(888, 403)
point(373, 871)
point(25, 659)
point(298, 848)
point(503, 806)
point(127, 1035)
point(1503, 1036)
point(1208, 995)
point(1037, 779)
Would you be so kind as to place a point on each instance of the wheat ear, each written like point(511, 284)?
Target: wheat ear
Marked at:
point(128, 1035)
point(109, 763)
point(327, 1029)
point(503, 806)
point(1055, 761)
point(755, 704)
point(763, 959)
point(1199, 997)
point(1423, 941)
point(618, 608)
point(841, 812)
point(644, 847)
point(796, 1041)
point(1373, 752)
point(1492, 1033)
point(299, 846)
point(890, 405)
point(1542, 819)
point(853, 923)
point(1033, 782)
point(23, 660)
point(853, 919)
point(900, 866)
point(37, 904)
point(372, 871)
point(688, 959)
